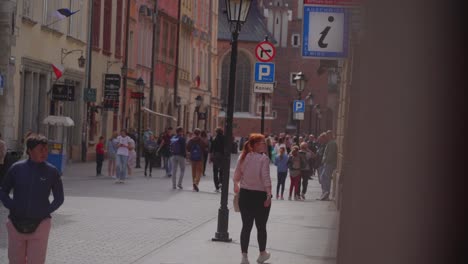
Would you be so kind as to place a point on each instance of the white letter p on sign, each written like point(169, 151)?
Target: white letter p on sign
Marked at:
point(264, 71)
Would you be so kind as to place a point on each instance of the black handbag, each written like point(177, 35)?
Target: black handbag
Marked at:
point(25, 226)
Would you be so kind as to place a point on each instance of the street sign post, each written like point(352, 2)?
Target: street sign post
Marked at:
point(265, 51)
point(325, 32)
point(263, 88)
point(111, 92)
point(90, 95)
point(264, 72)
point(299, 106)
point(298, 116)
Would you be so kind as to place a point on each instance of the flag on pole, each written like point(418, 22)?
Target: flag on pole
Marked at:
point(58, 70)
point(61, 14)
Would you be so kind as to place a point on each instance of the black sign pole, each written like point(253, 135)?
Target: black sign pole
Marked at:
point(262, 129)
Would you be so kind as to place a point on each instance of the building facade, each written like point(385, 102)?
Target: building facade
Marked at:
point(8, 33)
point(165, 71)
point(200, 87)
point(43, 40)
point(284, 19)
point(281, 22)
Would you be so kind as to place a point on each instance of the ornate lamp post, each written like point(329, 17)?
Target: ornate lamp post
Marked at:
point(310, 102)
point(178, 104)
point(198, 102)
point(318, 116)
point(237, 11)
point(300, 84)
point(140, 83)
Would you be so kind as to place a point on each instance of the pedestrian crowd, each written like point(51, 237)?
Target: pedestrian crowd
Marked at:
point(32, 179)
point(169, 151)
point(302, 158)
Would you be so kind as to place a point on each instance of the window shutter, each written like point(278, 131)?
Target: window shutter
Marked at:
point(106, 45)
point(96, 23)
point(118, 29)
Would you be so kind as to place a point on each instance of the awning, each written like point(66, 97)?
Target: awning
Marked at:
point(58, 121)
point(158, 114)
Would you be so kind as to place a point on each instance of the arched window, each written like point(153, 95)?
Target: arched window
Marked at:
point(243, 81)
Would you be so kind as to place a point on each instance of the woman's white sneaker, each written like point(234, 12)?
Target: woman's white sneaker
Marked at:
point(245, 260)
point(263, 257)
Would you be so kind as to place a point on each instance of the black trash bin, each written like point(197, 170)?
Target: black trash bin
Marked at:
point(11, 157)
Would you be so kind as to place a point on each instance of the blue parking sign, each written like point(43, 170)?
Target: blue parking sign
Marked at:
point(264, 72)
point(299, 106)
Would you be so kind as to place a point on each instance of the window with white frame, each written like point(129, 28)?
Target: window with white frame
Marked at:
point(28, 9)
point(49, 17)
point(141, 42)
point(259, 105)
point(130, 50)
point(76, 20)
point(292, 75)
point(295, 40)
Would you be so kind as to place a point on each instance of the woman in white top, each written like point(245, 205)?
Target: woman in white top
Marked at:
point(279, 144)
point(253, 183)
point(122, 156)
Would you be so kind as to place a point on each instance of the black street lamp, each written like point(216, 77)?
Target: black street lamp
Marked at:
point(310, 102)
point(140, 83)
point(300, 85)
point(318, 116)
point(178, 104)
point(237, 11)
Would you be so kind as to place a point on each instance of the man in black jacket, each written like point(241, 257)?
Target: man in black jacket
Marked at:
point(29, 223)
point(216, 156)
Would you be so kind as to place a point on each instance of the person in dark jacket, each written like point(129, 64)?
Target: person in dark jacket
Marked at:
point(216, 156)
point(150, 148)
point(29, 222)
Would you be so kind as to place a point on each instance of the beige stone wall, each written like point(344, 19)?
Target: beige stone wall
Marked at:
point(341, 126)
point(43, 44)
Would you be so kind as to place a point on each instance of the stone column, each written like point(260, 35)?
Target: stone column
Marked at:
point(7, 124)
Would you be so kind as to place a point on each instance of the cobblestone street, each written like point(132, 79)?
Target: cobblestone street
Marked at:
point(145, 221)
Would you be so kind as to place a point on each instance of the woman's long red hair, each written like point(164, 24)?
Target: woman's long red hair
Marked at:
point(248, 146)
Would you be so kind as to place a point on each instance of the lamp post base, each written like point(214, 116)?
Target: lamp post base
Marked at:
point(222, 235)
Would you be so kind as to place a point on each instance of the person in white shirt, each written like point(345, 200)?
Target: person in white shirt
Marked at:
point(123, 142)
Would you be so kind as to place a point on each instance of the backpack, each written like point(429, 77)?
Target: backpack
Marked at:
point(176, 146)
point(195, 152)
point(151, 150)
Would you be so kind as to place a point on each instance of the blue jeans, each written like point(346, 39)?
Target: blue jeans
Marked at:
point(325, 178)
point(167, 165)
point(121, 164)
point(177, 161)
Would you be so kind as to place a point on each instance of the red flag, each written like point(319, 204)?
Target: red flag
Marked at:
point(58, 70)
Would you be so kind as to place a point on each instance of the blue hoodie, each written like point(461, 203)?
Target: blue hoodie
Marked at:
point(32, 183)
point(282, 164)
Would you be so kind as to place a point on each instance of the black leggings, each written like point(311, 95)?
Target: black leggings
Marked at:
point(281, 181)
point(148, 159)
point(252, 209)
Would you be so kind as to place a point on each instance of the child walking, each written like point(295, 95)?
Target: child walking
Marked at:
point(294, 165)
point(281, 162)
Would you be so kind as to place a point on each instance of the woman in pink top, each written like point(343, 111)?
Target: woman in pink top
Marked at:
point(253, 183)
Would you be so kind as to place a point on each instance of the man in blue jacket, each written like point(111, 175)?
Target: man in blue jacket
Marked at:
point(29, 222)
